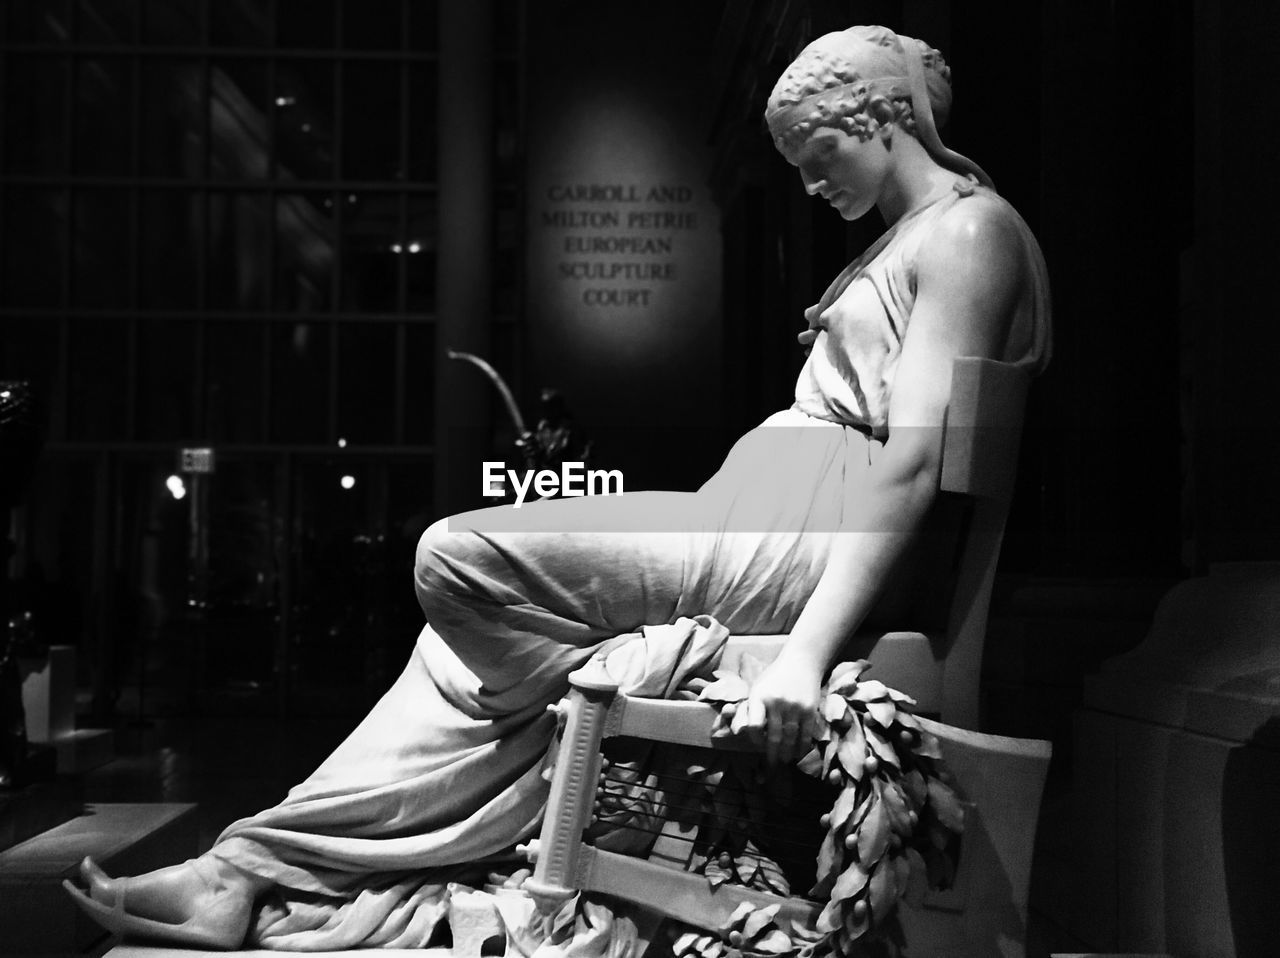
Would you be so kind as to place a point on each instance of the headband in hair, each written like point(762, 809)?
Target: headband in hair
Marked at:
point(827, 104)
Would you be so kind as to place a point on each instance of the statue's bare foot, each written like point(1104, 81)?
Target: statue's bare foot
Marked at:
point(202, 901)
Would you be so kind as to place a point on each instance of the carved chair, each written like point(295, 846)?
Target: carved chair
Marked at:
point(937, 661)
point(983, 912)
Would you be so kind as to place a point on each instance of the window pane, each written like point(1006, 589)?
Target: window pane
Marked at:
point(338, 569)
point(371, 121)
point(372, 25)
point(166, 372)
point(36, 21)
point(422, 122)
point(305, 24)
point(424, 26)
point(36, 239)
point(97, 379)
point(29, 351)
point(234, 356)
point(102, 248)
point(172, 106)
point(238, 146)
point(421, 267)
point(372, 251)
point(366, 382)
point(170, 248)
point(419, 384)
point(106, 21)
point(242, 583)
point(304, 252)
point(300, 382)
point(239, 240)
point(304, 119)
point(171, 22)
point(245, 23)
point(33, 114)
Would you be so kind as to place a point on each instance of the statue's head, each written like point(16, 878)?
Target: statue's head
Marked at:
point(865, 81)
point(857, 81)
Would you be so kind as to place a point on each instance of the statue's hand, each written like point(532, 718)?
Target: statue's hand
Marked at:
point(807, 337)
point(781, 711)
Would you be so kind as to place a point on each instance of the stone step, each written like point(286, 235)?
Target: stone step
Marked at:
point(28, 811)
point(37, 917)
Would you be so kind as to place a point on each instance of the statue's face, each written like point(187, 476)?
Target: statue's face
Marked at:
point(847, 172)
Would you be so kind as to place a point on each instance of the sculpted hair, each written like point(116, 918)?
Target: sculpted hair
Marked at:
point(857, 58)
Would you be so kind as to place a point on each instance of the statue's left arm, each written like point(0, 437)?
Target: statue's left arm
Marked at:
point(970, 274)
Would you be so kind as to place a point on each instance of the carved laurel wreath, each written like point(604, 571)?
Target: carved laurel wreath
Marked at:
point(892, 833)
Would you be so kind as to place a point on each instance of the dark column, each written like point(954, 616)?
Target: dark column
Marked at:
point(464, 261)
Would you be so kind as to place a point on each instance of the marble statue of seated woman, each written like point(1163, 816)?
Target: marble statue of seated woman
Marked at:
point(796, 532)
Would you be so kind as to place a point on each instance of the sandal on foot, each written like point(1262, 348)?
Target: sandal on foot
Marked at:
point(116, 920)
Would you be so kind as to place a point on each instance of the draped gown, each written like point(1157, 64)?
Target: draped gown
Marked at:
point(446, 770)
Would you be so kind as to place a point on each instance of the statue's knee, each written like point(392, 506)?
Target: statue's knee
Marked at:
point(434, 548)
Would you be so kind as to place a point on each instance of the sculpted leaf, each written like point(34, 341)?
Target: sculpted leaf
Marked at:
point(851, 755)
point(946, 806)
point(883, 712)
point(914, 785)
point(882, 890)
point(831, 917)
point(872, 690)
point(873, 837)
point(811, 764)
point(685, 943)
point(883, 750)
point(896, 805)
point(928, 746)
point(775, 942)
point(716, 876)
point(835, 708)
point(851, 881)
point(845, 675)
point(845, 803)
point(801, 933)
point(900, 697)
point(901, 873)
point(740, 914)
point(830, 856)
point(772, 877)
point(758, 920)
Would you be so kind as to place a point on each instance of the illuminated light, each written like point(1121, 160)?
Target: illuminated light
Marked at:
point(415, 247)
point(5, 395)
point(347, 482)
point(396, 248)
point(285, 101)
point(342, 443)
point(177, 488)
point(351, 197)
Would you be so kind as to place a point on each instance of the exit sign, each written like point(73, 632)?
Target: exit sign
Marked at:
point(197, 460)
